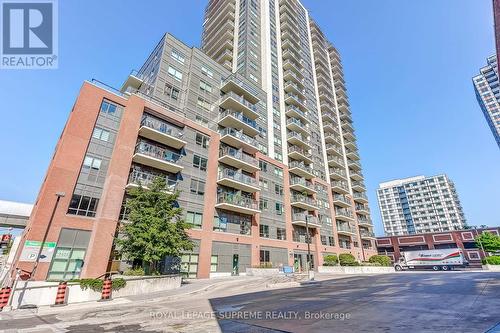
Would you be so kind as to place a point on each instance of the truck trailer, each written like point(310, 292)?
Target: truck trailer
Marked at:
point(444, 259)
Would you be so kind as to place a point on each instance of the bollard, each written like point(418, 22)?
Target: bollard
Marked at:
point(4, 297)
point(61, 298)
point(106, 290)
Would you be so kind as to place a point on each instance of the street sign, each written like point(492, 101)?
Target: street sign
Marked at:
point(31, 248)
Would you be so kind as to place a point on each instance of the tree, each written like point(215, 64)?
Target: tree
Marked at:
point(488, 241)
point(155, 228)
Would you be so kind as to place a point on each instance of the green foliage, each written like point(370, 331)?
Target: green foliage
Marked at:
point(330, 260)
point(155, 228)
point(380, 260)
point(491, 260)
point(96, 284)
point(265, 265)
point(138, 271)
point(488, 241)
point(347, 259)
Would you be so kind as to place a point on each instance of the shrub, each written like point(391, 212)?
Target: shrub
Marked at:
point(491, 260)
point(380, 260)
point(347, 259)
point(138, 271)
point(264, 265)
point(96, 284)
point(330, 260)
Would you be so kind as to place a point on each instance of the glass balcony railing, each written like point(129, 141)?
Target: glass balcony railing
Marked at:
point(303, 199)
point(297, 122)
point(343, 212)
point(237, 176)
point(302, 217)
point(240, 116)
point(342, 198)
point(345, 228)
point(298, 136)
point(301, 181)
point(362, 207)
point(157, 152)
point(334, 147)
point(359, 195)
point(364, 220)
point(239, 135)
point(358, 184)
point(296, 110)
point(338, 172)
point(341, 184)
point(237, 200)
point(300, 165)
point(295, 149)
point(364, 233)
point(238, 154)
point(240, 99)
point(161, 126)
point(146, 178)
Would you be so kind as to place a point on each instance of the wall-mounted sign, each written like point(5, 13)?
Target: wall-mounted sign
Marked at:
point(31, 248)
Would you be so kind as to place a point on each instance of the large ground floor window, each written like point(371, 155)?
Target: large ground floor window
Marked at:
point(69, 254)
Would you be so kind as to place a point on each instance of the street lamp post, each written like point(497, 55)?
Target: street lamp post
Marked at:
point(308, 239)
point(59, 195)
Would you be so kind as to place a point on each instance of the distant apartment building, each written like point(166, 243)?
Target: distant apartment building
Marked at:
point(419, 205)
point(254, 130)
point(487, 88)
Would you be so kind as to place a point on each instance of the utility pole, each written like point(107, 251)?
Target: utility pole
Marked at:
point(59, 195)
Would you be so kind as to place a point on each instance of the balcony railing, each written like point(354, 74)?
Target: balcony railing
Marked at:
point(364, 233)
point(343, 212)
point(237, 200)
point(145, 179)
point(297, 110)
point(300, 165)
point(338, 171)
point(341, 197)
point(362, 207)
point(341, 184)
point(305, 217)
point(238, 154)
point(345, 228)
point(239, 135)
point(364, 220)
point(301, 181)
point(157, 152)
point(358, 184)
point(238, 176)
point(303, 199)
point(296, 149)
point(334, 147)
point(240, 116)
point(161, 126)
point(240, 99)
point(297, 122)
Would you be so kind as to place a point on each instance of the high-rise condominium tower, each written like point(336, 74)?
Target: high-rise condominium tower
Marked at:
point(420, 204)
point(487, 87)
point(254, 130)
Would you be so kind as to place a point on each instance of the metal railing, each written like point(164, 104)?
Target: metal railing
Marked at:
point(145, 178)
point(302, 217)
point(239, 135)
point(238, 154)
point(343, 212)
point(148, 149)
point(161, 126)
point(240, 116)
point(237, 176)
point(301, 181)
point(240, 99)
point(303, 199)
point(238, 200)
point(341, 197)
point(300, 165)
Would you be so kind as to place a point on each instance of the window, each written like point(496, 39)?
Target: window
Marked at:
point(171, 91)
point(263, 166)
point(189, 265)
point(83, 205)
point(177, 56)
point(278, 172)
point(205, 86)
point(264, 256)
point(92, 162)
point(264, 231)
point(200, 162)
point(107, 107)
point(204, 104)
point(278, 189)
point(174, 73)
point(281, 233)
point(263, 204)
point(213, 263)
point(202, 140)
point(279, 208)
point(194, 219)
point(207, 71)
point(220, 224)
point(197, 186)
point(100, 134)
point(69, 255)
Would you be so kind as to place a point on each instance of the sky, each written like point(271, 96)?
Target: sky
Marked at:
point(408, 67)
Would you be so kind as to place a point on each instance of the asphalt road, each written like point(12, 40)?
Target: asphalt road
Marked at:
point(403, 302)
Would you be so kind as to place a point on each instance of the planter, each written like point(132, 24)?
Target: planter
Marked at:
point(262, 271)
point(355, 269)
point(138, 285)
point(492, 268)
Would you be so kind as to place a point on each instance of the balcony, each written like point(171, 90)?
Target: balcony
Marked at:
point(300, 154)
point(352, 154)
point(237, 85)
point(333, 149)
point(342, 200)
point(365, 234)
point(156, 157)
point(333, 138)
point(292, 99)
point(293, 88)
point(358, 186)
point(346, 126)
point(345, 229)
point(330, 127)
point(303, 202)
point(336, 161)
point(237, 203)
point(360, 197)
point(144, 178)
point(296, 125)
point(293, 111)
point(354, 164)
point(290, 64)
point(157, 130)
point(238, 180)
point(298, 139)
point(328, 115)
point(355, 174)
point(348, 135)
point(235, 102)
point(337, 173)
point(362, 208)
point(133, 82)
point(290, 76)
point(344, 214)
point(238, 159)
point(301, 169)
point(364, 221)
point(340, 186)
point(239, 140)
point(302, 185)
point(238, 120)
point(302, 220)
point(350, 144)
